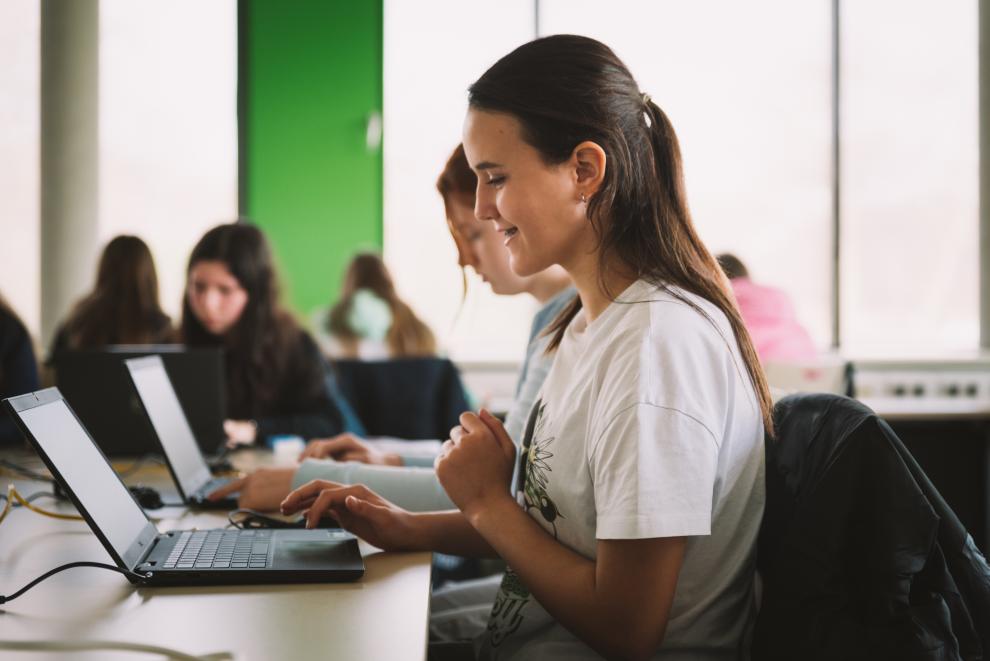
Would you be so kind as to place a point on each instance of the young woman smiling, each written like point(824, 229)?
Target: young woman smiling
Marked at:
point(631, 521)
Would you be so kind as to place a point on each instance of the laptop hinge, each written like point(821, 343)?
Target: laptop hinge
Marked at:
point(144, 567)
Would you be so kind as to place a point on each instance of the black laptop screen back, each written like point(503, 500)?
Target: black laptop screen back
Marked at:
point(86, 472)
point(170, 423)
point(96, 386)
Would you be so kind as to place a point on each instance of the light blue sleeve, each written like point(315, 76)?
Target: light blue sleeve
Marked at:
point(535, 367)
point(412, 488)
point(414, 461)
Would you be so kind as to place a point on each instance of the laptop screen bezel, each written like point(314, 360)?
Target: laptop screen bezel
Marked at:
point(140, 545)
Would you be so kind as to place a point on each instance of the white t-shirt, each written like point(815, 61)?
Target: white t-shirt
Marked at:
point(647, 426)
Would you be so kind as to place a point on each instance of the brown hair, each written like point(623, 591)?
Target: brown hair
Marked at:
point(266, 341)
point(408, 335)
point(732, 266)
point(565, 89)
point(123, 308)
point(5, 308)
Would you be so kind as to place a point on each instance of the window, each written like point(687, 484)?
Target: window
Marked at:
point(910, 168)
point(20, 133)
point(431, 57)
point(168, 127)
point(750, 102)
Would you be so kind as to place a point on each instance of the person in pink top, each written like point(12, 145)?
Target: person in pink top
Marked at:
point(769, 316)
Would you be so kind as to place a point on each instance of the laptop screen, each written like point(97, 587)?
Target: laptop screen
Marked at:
point(170, 423)
point(86, 472)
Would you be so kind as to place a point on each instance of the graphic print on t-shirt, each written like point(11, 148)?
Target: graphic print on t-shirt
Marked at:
point(534, 471)
point(537, 472)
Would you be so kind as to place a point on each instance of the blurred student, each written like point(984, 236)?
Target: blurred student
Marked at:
point(18, 368)
point(769, 316)
point(370, 321)
point(123, 307)
point(277, 379)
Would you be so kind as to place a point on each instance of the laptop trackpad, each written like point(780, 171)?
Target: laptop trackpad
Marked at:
point(315, 549)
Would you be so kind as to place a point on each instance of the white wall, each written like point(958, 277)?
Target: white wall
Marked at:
point(168, 126)
point(20, 126)
point(910, 177)
point(746, 87)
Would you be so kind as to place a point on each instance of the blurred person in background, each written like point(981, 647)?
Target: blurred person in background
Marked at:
point(123, 307)
point(277, 380)
point(769, 316)
point(18, 368)
point(370, 321)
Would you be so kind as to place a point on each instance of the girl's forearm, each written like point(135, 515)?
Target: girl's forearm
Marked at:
point(569, 586)
point(449, 532)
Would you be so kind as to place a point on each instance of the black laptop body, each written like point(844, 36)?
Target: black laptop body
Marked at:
point(203, 557)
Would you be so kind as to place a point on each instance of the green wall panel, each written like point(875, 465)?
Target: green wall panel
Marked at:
point(310, 77)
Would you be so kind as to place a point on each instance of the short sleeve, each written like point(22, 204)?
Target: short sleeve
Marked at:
point(654, 474)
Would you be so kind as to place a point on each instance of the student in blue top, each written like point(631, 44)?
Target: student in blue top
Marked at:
point(630, 520)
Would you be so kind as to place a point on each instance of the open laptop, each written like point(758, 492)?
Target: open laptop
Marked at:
point(171, 428)
point(202, 557)
point(96, 385)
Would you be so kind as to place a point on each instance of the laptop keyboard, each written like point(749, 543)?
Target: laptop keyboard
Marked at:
point(220, 549)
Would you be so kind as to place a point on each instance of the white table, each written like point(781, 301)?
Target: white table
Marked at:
point(382, 616)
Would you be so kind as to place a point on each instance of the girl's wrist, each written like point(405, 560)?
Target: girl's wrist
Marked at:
point(491, 510)
point(419, 532)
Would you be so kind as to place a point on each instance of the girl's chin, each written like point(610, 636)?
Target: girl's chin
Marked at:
point(524, 267)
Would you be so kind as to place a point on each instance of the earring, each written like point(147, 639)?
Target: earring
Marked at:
point(584, 199)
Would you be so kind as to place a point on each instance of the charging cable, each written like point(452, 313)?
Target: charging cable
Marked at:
point(14, 497)
point(111, 645)
point(72, 565)
point(25, 472)
point(90, 645)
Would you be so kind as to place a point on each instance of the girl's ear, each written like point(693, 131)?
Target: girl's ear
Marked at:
point(589, 162)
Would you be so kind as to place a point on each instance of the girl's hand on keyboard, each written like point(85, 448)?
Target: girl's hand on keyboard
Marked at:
point(262, 490)
point(348, 447)
point(358, 509)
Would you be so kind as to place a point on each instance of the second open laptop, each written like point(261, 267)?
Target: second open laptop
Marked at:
point(171, 426)
point(96, 385)
point(200, 557)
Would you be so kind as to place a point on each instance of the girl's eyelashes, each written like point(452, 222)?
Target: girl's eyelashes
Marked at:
point(495, 181)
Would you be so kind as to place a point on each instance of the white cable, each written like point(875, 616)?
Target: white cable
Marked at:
point(90, 645)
